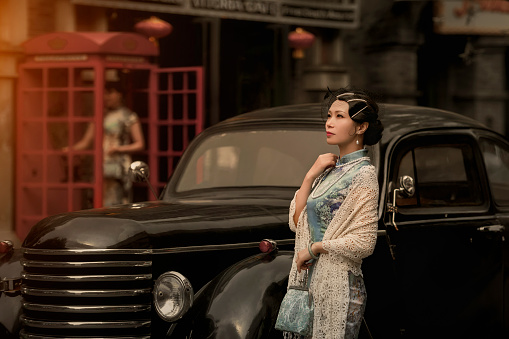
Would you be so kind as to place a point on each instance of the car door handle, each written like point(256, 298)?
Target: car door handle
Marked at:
point(491, 228)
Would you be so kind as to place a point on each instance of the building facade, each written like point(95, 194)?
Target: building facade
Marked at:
point(446, 54)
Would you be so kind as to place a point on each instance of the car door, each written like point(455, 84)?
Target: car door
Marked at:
point(495, 151)
point(448, 253)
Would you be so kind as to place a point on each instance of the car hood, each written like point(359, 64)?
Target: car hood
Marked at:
point(162, 225)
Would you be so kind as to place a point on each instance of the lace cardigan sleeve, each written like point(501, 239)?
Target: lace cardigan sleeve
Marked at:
point(356, 237)
point(291, 213)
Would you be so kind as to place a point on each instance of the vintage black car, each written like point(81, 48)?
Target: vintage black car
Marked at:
point(189, 264)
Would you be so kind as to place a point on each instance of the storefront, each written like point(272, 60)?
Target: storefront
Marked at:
point(243, 45)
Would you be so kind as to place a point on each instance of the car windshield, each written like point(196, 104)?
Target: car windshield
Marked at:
point(253, 158)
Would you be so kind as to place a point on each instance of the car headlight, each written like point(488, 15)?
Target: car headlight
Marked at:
point(173, 295)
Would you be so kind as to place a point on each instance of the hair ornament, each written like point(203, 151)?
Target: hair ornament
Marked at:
point(327, 94)
point(352, 100)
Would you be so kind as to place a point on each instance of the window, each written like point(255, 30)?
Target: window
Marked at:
point(445, 175)
point(496, 159)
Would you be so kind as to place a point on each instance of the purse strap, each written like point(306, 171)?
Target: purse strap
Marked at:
point(304, 283)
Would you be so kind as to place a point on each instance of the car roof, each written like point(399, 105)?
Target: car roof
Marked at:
point(397, 119)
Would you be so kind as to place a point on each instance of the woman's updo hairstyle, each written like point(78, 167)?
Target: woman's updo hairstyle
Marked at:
point(361, 108)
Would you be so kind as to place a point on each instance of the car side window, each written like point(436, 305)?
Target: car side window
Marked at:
point(444, 175)
point(496, 160)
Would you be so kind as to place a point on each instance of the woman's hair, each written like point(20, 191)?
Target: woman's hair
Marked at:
point(114, 86)
point(361, 108)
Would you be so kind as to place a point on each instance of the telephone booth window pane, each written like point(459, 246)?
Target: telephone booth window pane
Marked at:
point(31, 169)
point(84, 104)
point(84, 77)
point(32, 78)
point(58, 77)
point(82, 198)
point(140, 104)
point(178, 81)
point(56, 169)
point(191, 106)
point(31, 201)
point(57, 201)
point(57, 104)
point(140, 79)
point(191, 132)
point(162, 165)
point(32, 137)
point(191, 80)
point(83, 168)
point(163, 107)
point(32, 105)
point(79, 130)
point(178, 138)
point(163, 81)
point(58, 135)
point(178, 107)
point(163, 138)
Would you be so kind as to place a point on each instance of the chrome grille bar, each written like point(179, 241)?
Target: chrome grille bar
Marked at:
point(91, 264)
point(86, 251)
point(83, 325)
point(86, 293)
point(69, 278)
point(86, 309)
point(24, 335)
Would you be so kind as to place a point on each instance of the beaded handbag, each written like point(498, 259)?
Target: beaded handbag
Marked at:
point(296, 313)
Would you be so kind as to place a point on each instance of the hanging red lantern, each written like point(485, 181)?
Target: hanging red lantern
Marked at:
point(300, 40)
point(154, 28)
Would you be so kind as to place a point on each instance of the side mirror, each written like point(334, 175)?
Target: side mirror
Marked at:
point(406, 189)
point(406, 186)
point(139, 172)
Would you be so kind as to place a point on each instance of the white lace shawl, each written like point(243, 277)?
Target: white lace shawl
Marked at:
point(350, 237)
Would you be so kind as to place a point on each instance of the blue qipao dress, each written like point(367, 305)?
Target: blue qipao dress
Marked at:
point(342, 213)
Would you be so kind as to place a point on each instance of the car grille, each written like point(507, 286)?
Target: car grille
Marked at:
point(86, 293)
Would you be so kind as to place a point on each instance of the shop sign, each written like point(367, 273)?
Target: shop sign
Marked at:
point(479, 17)
point(338, 14)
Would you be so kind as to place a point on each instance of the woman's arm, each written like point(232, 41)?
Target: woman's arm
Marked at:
point(303, 257)
point(85, 142)
point(324, 161)
point(360, 238)
point(137, 144)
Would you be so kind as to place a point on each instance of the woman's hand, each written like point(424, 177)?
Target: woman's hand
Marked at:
point(303, 259)
point(323, 162)
point(112, 150)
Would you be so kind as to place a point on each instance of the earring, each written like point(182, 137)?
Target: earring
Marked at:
point(357, 141)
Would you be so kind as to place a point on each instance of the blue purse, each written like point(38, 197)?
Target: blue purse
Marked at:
point(296, 313)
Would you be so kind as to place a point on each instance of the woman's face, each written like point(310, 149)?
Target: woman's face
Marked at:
point(112, 98)
point(340, 127)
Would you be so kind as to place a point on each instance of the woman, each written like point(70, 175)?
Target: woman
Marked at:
point(123, 135)
point(334, 215)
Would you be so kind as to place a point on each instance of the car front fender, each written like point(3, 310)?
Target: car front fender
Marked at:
point(242, 302)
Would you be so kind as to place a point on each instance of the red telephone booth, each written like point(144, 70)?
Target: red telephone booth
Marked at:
point(60, 93)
